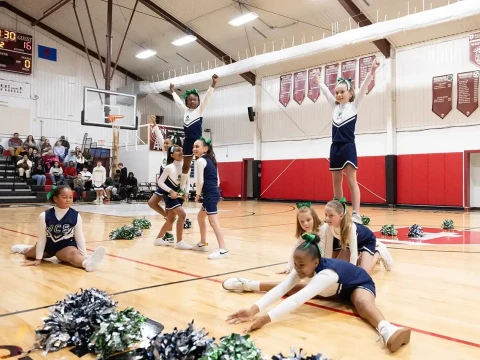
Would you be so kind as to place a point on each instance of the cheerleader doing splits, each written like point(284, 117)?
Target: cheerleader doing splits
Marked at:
point(60, 234)
point(329, 277)
point(192, 121)
point(343, 153)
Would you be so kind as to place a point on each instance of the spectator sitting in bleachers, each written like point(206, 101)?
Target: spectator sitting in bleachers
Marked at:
point(71, 157)
point(35, 156)
point(59, 150)
point(13, 144)
point(24, 167)
point(56, 174)
point(78, 186)
point(48, 160)
point(22, 150)
point(79, 159)
point(87, 177)
point(30, 142)
point(65, 144)
point(131, 187)
point(70, 173)
point(45, 145)
point(109, 188)
point(123, 174)
point(38, 172)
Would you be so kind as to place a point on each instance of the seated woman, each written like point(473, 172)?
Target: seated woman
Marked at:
point(329, 277)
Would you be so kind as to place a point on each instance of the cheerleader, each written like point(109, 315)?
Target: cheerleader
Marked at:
point(343, 153)
point(192, 122)
point(350, 239)
point(328, 277)
point(60, 234)
point(169, 182)
point(207, 187)
point(307, 222)
point(99, 175)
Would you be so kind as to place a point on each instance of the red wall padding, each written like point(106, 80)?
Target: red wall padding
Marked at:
point(230, 178)
point(310, 179)
point(430, 179)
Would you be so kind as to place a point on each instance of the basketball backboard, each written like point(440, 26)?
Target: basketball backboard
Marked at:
point(99, 104)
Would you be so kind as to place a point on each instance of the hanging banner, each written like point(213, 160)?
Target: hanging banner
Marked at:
point(467, 92)
point(299, 86)
point(167, 132)
point(349, 70)
point(475, 48)
point(442, 91)
point(313, 88)
point(285, 89)
point(331, 77)
point(365, 67)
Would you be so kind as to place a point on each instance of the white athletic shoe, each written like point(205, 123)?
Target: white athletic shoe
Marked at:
point(20, 248)
point(201, 247)
point(219, 254)
point(357, 218)
point(182, 245)
point(393, 337)
point(385, 256)
point(92, 261)
point(163, 242)
point(238, 285)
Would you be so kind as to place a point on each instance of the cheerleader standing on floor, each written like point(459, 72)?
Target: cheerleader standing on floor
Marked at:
point(207, 187)
point(343, 153)
point(307, 222)
point(350, 239)
point(192, 121)
point(329, 277)
point(169, 182)
point(60, 234)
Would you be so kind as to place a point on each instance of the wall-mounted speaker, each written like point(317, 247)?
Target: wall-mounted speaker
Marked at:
point(251, 113)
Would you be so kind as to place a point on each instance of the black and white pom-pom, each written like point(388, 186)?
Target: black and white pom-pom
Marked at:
point(388, 230)
point(447, 224)
point(188, 344)
point(127, 232)
point(74, 320)
point(187, 224)
point(365, 220)
point(234, 346)
point(299, 356)
point(141, 224)
point(415, 231)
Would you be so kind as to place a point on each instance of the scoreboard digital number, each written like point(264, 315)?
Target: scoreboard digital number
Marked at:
point(15, 52)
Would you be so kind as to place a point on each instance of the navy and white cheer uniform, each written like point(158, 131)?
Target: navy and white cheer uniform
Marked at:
point(332, 277)
point(58, 229)
point(361, 239)
point(159, 190)
point(207, 184)
point(344, 118)
point(192, 120)
point(170, 180)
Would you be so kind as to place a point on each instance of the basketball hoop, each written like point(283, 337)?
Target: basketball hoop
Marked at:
point(113, 118)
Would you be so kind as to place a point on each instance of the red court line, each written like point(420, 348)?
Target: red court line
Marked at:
point(344, 312)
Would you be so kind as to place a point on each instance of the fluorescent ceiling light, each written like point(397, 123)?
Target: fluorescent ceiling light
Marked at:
point(146, 54)
point(243, 19)
point(184, 40)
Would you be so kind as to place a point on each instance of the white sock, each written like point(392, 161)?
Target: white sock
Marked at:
point(254, 285)
point(382, 324)
point(183, 181)
point(83, 263)
point(169, 232)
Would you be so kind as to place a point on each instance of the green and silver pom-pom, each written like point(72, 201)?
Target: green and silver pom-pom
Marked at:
point(365, 220)
point(388, 230)
point(299, 356)
point(142, 224)
point(120, 331)
point(447, 224)
point(126, 232)
point(415, 231)
point(233, 346)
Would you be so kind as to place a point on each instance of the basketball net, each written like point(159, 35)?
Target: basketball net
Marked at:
point(115, 141)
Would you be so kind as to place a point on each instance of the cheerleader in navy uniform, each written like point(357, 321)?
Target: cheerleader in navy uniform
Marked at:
point(328, 277)
point(192, 121)
point(350, 239)
point(343, 153)
point(60, 234)
point(174, 197)
point(207, 187)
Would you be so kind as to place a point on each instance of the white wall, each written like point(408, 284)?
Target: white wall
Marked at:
point(475, 180)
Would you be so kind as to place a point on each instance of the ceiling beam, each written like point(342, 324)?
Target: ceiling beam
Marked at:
point(248, 76)
point(359, 17)
point(71, 42)
point(51, 10)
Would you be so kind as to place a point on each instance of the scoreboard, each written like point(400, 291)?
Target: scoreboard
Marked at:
point(15, 52)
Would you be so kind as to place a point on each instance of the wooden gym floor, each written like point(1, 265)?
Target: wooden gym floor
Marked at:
point(434, 287)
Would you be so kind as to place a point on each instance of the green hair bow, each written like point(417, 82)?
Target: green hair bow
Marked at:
point(302, 204)
point(346, 81)
point(310, 239)
point(188, 92)
point(207, 141)
point(49, 194)
point(342, 201)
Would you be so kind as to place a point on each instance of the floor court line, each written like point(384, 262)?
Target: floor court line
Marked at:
point(344, 312)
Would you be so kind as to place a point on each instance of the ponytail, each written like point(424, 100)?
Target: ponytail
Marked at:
point(210, 153)
point(340, 207)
